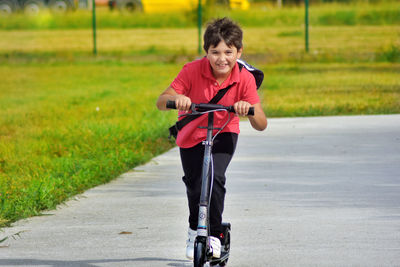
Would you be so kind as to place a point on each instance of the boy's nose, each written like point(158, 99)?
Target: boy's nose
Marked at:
point(221, 57)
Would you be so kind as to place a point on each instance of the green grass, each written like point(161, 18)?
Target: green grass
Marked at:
point(269, 44)
point(260, 15)
point(331, 89)
point(65, 128)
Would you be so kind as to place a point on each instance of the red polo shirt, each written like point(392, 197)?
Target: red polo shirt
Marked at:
point(196, 81)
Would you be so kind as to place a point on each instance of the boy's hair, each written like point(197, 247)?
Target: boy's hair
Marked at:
point(223, 29)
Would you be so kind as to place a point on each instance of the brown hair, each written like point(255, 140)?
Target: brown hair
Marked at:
point(223, 30)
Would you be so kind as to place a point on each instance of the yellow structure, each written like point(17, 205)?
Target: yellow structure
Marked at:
point(163, 6)
point(239, 4)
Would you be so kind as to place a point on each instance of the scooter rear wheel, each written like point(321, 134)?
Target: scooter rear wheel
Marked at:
point(226, 244)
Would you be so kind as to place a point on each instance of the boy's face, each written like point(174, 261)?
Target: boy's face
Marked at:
point(222, 59)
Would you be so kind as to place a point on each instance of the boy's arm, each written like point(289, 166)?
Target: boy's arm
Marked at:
point(182, 102)
point(258, 121)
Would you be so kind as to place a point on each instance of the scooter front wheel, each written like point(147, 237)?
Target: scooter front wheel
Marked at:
point(199, 253)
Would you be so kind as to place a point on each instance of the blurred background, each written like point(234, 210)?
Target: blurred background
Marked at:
point(333, 23)
point(342, 29)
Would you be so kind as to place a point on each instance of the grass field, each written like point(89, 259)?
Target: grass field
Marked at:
point(65, 128)
point(332, 89)
point(327, 44)
point(70, 121)
point(260, 15)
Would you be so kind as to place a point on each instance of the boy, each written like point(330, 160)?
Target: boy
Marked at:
point(198, 82)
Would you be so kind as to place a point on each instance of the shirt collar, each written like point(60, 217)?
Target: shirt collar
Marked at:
point(207, 73)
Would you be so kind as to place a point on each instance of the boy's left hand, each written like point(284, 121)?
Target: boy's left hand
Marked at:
point(241, 108)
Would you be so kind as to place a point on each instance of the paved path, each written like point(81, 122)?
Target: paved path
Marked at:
point(306, 192)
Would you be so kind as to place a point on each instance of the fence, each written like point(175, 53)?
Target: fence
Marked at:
point(352, 31)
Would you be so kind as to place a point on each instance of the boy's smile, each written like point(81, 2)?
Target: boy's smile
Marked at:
point(222, 59)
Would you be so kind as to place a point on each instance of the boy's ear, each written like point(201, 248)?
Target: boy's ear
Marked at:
point(240, 52)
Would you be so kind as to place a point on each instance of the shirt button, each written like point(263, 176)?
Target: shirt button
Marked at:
point(215, 84)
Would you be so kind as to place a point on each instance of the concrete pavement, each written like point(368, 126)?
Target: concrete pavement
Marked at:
point(321, 191)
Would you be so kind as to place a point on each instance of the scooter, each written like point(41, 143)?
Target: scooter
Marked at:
point(202, 250)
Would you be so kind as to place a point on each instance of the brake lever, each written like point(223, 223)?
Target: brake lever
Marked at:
point(193, 109)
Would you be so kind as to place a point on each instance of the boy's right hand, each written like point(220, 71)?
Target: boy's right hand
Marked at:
point(182, 103)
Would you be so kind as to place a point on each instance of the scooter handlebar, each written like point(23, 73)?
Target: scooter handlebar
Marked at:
point(171, 104)
point(208, 107)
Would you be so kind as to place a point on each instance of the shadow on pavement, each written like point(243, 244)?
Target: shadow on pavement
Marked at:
point(89, 263)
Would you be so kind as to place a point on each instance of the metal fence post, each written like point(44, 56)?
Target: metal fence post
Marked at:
point(94, 27)
point(306, 24)
point(199, 20)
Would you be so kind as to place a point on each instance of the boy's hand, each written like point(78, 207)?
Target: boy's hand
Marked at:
point(242, 108)
point(182, 102)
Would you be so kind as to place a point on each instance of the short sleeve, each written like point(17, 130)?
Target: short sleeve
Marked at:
point(249, 90)
point(181, 83)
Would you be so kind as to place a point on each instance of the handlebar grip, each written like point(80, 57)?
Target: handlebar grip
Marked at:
point(251, 111)
point(171, 104)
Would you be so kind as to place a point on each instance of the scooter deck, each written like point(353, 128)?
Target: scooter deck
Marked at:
point(215, 261)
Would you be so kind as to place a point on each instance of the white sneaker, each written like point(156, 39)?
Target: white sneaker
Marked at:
point(190, 244)
point(215, 245)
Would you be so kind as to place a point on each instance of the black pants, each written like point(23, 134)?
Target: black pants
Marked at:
point(192, 162)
